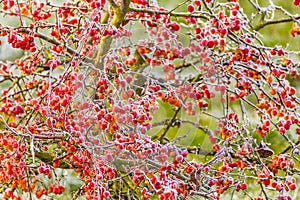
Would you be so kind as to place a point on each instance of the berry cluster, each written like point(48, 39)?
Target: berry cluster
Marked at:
point(128, 114)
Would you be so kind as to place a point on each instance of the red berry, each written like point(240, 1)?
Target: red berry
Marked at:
point(72, 149)
point(197, 30)
point(232, 98)
point(197, 3)
point(175, 26)
point(106, 194)
point(204, 42)
point(282, 130)
point(179, 158)
point(293, 186)
point(234, 12)
point(280, 52)
point(190, 8)
point(184, 153)
point(144, 190)
point(243, 186)
point(211, 182)
point(120, 70)
point(278, 187)
point(128, 79)
point(210, 44)
point(292, 91)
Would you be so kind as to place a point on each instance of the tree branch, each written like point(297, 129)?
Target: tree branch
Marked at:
point(173, 14)
point(119, 13)
point(267, 23)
